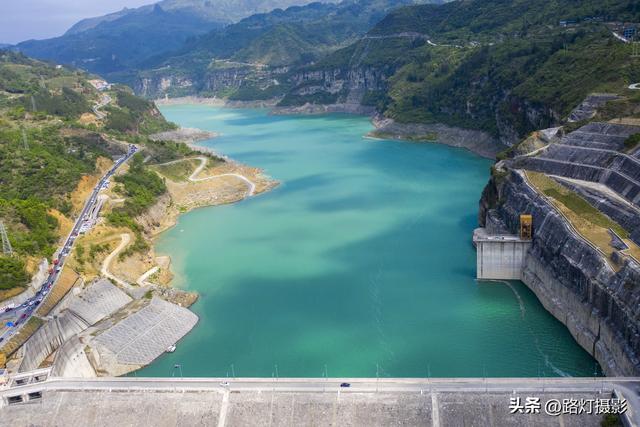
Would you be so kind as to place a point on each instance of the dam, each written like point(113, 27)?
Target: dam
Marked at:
point(50, 401)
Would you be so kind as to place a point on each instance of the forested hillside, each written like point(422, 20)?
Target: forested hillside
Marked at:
point(501, 66)
point(51, 141)
point(278, 39)
point(506, 67)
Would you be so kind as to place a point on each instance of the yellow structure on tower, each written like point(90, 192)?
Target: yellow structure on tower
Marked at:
point(526, 227)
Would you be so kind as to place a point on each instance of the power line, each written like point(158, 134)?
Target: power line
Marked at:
point(6, 244)
point(25, 142)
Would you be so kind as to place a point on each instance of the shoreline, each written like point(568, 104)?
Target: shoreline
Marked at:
point(476, 141)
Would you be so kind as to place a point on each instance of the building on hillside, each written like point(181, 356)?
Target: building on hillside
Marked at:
point(567, 22)
point(629, 32)
point(100, 85)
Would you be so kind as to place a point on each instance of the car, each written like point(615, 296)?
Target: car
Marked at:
point(345, 385)
point(224, 384)
point(23, 316)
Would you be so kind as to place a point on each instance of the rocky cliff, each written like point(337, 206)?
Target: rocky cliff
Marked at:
point(599, 305)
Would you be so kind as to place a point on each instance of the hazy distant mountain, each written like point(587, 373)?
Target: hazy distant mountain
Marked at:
point(121, 40)
point(222, 11)
point(3, 45)
point(283, 37)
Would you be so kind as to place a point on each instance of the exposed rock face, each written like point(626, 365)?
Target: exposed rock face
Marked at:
point(185, 135)
point(476, 141)
point(599, 306)
point(324, 109)
point(224, 79)
point(158, 85)
point(337, 80)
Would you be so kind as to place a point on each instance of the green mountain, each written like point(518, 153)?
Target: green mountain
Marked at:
point(50, 139)
point(120, 41)
point(281, 38)
point(119, 44)
point(222, 11)
point(503, 66)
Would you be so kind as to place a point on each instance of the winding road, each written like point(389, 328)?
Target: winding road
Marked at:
point(125, 238)
point(104, 100)
point(251, 187)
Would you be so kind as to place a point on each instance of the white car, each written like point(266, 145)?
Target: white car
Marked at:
point(224, 384)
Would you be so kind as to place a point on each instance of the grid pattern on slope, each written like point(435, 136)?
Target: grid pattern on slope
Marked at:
point(145, 335)
point(99, 301)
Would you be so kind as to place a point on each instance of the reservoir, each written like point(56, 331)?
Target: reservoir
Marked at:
point(359, 263)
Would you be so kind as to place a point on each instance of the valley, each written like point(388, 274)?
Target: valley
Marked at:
point(398, 189)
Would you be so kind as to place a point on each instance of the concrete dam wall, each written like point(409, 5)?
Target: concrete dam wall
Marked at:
point(499, 257)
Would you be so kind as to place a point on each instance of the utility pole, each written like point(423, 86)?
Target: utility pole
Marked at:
point(6, 244)
point(635, 52)
point(25, 142)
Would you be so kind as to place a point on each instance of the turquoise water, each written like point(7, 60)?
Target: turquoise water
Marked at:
point(361, 257)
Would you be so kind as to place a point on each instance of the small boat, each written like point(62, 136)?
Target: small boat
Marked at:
point(171, 349)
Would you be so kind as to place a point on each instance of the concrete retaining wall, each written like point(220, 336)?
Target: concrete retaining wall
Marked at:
point(99, 300)
point(49, 338)
point(71, 361)
point(145, 335)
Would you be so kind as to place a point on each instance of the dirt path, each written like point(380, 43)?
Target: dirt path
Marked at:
point(125, 239)
point(142, 280)
point(251, 187)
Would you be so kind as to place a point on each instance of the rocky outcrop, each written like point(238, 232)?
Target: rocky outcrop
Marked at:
point(226, 78)
point(185, 135)
point(599, 306)
point(336, 80)
point(309, 108)
point(160, 84)
point(476, 141)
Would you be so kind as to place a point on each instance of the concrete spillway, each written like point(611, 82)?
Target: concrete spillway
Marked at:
point(49, 338)
point(99, 300)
